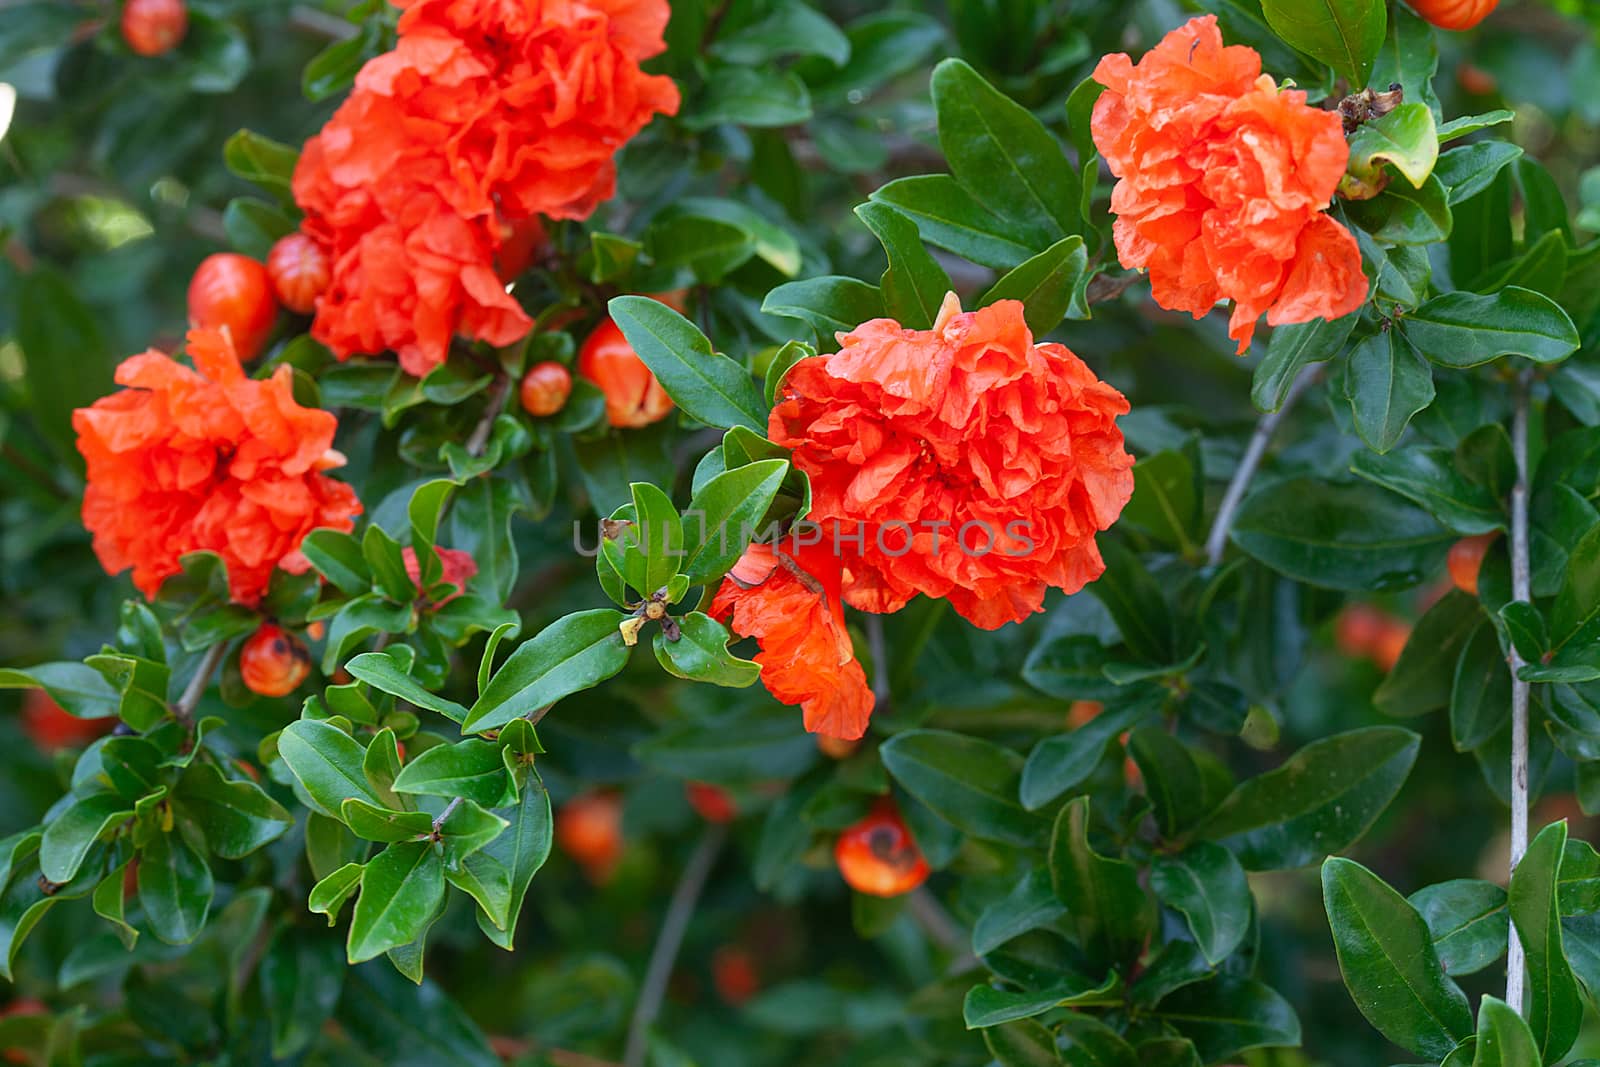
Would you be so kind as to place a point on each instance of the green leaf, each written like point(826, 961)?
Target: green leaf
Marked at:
point(1468, 169)
point(915, 284)
point(79, 689)
point(749, 96)
point(1091, 1043)
point(1180, 792)
point(253, 226)
point(327, 761)
point(705, 384)
point(1553, 1008)
point(1504, 1039)
point(1575, 615)
point(1387, 957)
point(1003, 156)
point(830, 304)
point(1355, 537)
point(384, 824)
point(1344, 34)
point(337, 556)
point(1061, 761)
point(1406, 216)
point(235, 817)
point(263, 162)
point(701, 654)
point(66, 357)
point(1228, 1014)
point(1423, 679)
point(472, 769)
point(1105, 902)
point(1168, 496)
point(969, 782)
point(790, 29)
point(302, 975)
point(1290, 349)
point(725, 513)
point(1404, 138)
point(1480, 700)
point(950, 217)
point(573, 653)
point(1468, 922)
point(400, 892)
point(1031, 904)
point(1428, 477)
point(379, 670)
point(986, 1006)
point(1467, 329)
point(1134, 600)
point(1320, 801)
point(69, 836)
point(1050, 286)
point(1387, 383)
point(1023, 1043)
point(519, 852)
point(175, 888)
point(329, 894)
point(1208, 886)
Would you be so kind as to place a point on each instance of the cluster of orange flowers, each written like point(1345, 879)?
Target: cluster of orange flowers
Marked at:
point(1225, 181)
point(207, 460)
point(963, 462)
point(486, 115)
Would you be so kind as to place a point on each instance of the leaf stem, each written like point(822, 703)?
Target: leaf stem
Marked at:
point(669, 940)
point(449, 810)
point(1217, 540)
point(499, 393)
point(1521, 589)
point(184, 708)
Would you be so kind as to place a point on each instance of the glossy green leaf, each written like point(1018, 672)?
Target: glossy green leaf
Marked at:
point(400, 891)
point(571, 654)
point(915, 284)
point(969, 782)
point(1227, 1015)
point(701, 654)
point(725, 513)
point(705, 384)
point(949, 216)
point(1050, 285)
point(328, 763)
point(1208, 886)
point(1468, 921)
point(1554, 1010)
point(1389, 964)
point(1466, 329)
point(1320, 801)
point(236, 817)
point(1344, 34)
point(175, 888)
point(1105, 901)
point(1023, 1043)
point(1387, 383)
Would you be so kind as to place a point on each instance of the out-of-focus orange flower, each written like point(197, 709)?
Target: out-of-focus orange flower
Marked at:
point(788, 599)
point(589, 829)
point(457, 569)
point(711, 802)
point(207, 460)
point(1465, 560)
point(974, 464)
point(487, 114)
point(1224, 183)
point(51, 727)
point(734, 972)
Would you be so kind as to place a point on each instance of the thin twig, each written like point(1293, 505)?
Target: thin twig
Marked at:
point(1217, 540)
point(499, 393)
point(449, 810)
point(1521, 589)
point(321, 24)
point(879, 650)
point(184, 708)
point(669, 940)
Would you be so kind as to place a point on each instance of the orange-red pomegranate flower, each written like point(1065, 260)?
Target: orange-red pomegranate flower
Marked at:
point(207, 460)
point(1224, 182)
point(788, 599)
point(486, 114)
point(963, 462)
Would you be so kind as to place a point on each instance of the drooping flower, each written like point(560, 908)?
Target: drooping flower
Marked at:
point(207, 460)
point(964, 462)
point(1224, 182)
point(487, 114)
point(788, 598)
